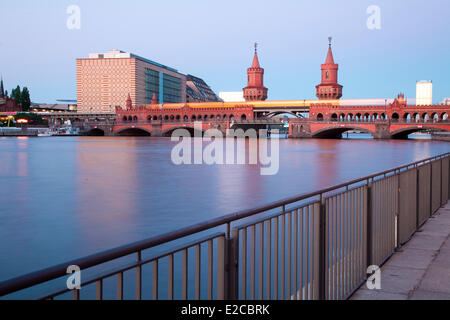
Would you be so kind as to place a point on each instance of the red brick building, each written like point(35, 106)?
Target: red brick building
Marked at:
point(9, 105)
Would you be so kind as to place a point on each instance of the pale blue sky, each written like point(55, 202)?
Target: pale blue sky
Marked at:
point(214, 40)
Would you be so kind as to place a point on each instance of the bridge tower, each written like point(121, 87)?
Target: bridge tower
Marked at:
point(129, 102)
point(255, 90)
point(329, 87)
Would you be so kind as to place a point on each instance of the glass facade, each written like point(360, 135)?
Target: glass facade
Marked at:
point(151, 84)
point(166, 87)
point(171, 89)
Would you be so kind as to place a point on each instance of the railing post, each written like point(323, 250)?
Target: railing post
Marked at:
point(322, 250)
point(441, 180)
point(369, 223)
point(417, 197)
point(431, 188)
point(397, 245)
point(232, 274)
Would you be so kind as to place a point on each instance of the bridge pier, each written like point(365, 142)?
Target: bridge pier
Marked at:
point(382, 131)
point(300, 130)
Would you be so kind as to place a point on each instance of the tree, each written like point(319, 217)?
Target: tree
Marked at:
point(6, 94)
point(16, 95)
point(25, 99)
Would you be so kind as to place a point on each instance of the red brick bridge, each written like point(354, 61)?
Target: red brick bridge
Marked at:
point(326, 119)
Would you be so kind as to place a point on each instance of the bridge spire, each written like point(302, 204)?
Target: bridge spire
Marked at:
point(329, 59)
point(154, 99)
point(129, 102)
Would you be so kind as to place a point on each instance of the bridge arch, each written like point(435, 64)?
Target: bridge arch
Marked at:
point(404, 132)
point(96, 132)
point(336, 132)
point(191, 130)
point(133, 132)
point(435, 116)
point(366, 117)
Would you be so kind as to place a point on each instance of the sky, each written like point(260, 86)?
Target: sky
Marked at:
point(214, 40)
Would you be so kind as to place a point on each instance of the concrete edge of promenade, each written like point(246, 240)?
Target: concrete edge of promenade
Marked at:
point(420, 270)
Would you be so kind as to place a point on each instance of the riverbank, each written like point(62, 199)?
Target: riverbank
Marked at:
point(420, 269)
point(441, 136)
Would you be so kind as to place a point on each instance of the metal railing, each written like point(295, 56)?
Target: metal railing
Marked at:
point(316, 245)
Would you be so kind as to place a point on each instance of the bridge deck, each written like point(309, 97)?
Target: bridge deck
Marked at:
point(421, 269)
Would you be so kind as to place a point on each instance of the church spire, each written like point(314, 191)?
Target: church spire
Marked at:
point(2, 90)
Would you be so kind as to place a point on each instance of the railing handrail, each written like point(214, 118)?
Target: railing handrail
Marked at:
point(37, 277)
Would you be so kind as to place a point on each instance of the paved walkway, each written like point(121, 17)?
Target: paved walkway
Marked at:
point(421, 269)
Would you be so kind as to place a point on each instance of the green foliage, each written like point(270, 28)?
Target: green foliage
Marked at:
point(16, 95)
point(25, 99)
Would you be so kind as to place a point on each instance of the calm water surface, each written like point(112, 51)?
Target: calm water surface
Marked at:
point(67, 197)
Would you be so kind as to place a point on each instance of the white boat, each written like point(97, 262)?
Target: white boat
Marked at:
point(45, 134)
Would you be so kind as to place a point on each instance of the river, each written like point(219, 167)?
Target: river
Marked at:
point(67, 197)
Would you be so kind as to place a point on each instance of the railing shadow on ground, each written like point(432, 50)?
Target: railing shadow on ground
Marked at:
point(316, 245)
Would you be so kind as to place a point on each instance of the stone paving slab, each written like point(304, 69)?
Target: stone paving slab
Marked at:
point(420, 270)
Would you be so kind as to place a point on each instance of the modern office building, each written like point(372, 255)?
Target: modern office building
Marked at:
point(198, 91)
point(424, 93)
point(104, 81)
